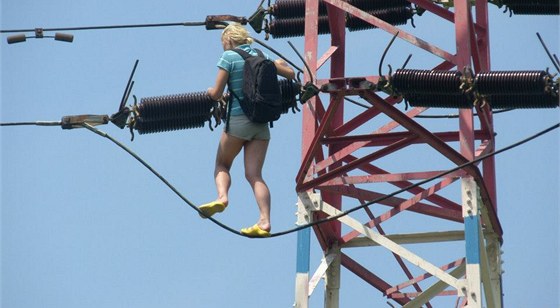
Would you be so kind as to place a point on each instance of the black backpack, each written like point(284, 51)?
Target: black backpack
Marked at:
point(262, 101)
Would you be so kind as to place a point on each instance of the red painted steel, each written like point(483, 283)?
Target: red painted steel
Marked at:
point(369, 277)
point(425, 276)
point(337, 162)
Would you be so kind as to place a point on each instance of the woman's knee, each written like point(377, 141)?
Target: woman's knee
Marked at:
point(220, 169)
point(253, 177)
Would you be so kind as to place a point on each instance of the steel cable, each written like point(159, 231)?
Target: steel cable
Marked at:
point(175, 24)
point(328, 219)
point(159, 176)
point(314, 223)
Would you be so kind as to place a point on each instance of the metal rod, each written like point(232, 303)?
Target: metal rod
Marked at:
point(129, 86)
point(386, 50)
point(406, 61)
point(555, 63)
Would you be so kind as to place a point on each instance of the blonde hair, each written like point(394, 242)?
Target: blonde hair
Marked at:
point(236, 34)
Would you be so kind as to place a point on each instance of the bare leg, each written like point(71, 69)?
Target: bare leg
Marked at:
point(255, 153)
point(228, 149)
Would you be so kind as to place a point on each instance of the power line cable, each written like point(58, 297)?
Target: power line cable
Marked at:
point(145, 164)
point(344, 213)
point(314, 223)
point(174, 24)
point(37, 123)
point(440, 116)
point(210, 22)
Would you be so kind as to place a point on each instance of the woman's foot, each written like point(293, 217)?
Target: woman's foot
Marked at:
point(256, 231)
point(209, 209)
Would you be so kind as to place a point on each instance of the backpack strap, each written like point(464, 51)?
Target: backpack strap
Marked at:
point(245, 54)
point(259, 52)
point(228, 113)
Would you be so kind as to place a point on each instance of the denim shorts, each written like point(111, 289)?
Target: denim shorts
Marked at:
point(241, 127)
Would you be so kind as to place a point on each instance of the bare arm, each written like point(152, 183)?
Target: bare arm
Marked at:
point(284, 69)
point(217, 91)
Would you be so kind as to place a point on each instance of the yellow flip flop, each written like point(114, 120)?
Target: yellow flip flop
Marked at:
point(255, 231)
point(209, 209)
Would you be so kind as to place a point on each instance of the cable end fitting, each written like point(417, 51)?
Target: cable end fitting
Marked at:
point(214, 22)
point(77, 121)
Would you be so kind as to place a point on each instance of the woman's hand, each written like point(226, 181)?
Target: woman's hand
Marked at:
point(284, 69)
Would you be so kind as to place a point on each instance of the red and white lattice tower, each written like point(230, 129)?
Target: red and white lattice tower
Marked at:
point(341, 169)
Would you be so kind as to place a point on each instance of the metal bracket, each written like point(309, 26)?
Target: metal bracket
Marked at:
point(471, 199)
point(39, 33)
point(214, 22)
point(348, 85)
point(77, 121)
point(311, 201)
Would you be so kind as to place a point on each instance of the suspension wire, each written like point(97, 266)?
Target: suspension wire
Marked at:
point(175, 24)
point(36, 123)
point(449, 116)
point(145, 164)
point(311, 224)
point(331, 218)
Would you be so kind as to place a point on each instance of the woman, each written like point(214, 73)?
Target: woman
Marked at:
point(252, 137)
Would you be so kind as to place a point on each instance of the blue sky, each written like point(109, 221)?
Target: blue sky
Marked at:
point(84, 225)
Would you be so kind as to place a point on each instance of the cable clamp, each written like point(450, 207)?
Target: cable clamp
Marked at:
point(214, 22)
point(309, 90)
point(78, 121)
point(39, 33)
